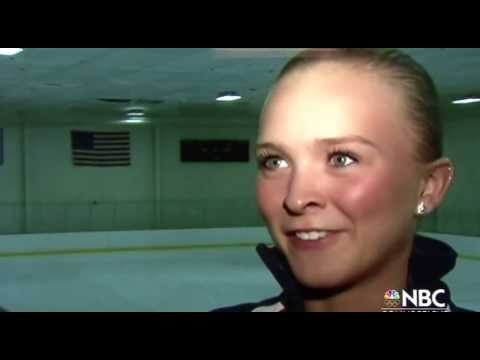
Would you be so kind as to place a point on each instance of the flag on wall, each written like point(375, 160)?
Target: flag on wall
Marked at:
point(1, 146)
point(100, 148)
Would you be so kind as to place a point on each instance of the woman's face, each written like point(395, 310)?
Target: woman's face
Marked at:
point(337, 183)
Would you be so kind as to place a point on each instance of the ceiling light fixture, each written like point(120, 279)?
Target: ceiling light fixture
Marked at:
point(228, 96)
point(467, 100)
point(134, 120)
point(136, 113)
point(10, 51)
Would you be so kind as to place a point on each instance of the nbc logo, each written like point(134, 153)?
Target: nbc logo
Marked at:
point(418, 300)
point(391, 299)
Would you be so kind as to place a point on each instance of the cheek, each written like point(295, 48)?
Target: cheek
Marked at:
point(270, 195)
point(377, 195)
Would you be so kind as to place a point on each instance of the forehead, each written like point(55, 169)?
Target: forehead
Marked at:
point(335, 100)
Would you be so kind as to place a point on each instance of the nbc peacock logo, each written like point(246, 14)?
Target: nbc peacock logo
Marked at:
point(416, 300)
point(392, 299)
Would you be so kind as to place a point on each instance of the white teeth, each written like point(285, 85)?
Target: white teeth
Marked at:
point(311, 235)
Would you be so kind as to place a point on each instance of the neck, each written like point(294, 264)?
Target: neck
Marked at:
point(367, 294)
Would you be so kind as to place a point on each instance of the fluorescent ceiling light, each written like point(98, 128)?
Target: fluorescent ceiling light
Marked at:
point(468, 100)
point(135, 113)
point(10, 51)
point(134, 120)
point(135, 108)
point(228, 96)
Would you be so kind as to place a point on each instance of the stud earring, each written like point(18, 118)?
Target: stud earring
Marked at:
point(421, 209)
point(450, 174)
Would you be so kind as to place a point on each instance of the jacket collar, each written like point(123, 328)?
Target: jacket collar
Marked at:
point(429, 262)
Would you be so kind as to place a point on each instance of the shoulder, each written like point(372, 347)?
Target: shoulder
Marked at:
point(268, 305)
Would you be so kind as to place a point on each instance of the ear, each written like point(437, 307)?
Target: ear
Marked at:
point(438, 178)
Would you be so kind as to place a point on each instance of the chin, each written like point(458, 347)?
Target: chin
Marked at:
point(318, 279)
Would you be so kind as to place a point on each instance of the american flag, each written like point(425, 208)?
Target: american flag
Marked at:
point(100, 148)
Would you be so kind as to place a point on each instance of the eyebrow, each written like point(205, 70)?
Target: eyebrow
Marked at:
point(320, 142)
point(347, 139)
point(270, 145)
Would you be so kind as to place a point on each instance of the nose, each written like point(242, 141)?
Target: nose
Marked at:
point(304, 193)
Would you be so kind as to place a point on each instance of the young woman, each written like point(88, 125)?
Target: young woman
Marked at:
point(350, 157)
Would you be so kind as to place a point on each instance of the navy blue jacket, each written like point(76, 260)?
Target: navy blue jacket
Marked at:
point(430, 261)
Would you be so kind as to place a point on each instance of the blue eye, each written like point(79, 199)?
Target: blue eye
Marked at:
point(271, 162)
point(341, 159)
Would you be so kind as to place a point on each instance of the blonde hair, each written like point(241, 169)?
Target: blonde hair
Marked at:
point(417, 85)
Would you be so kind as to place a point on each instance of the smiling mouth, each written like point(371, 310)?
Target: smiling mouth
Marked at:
point(312, 239)
point(310, 235)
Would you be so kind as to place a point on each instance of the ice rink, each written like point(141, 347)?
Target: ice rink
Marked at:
point(163, 280)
